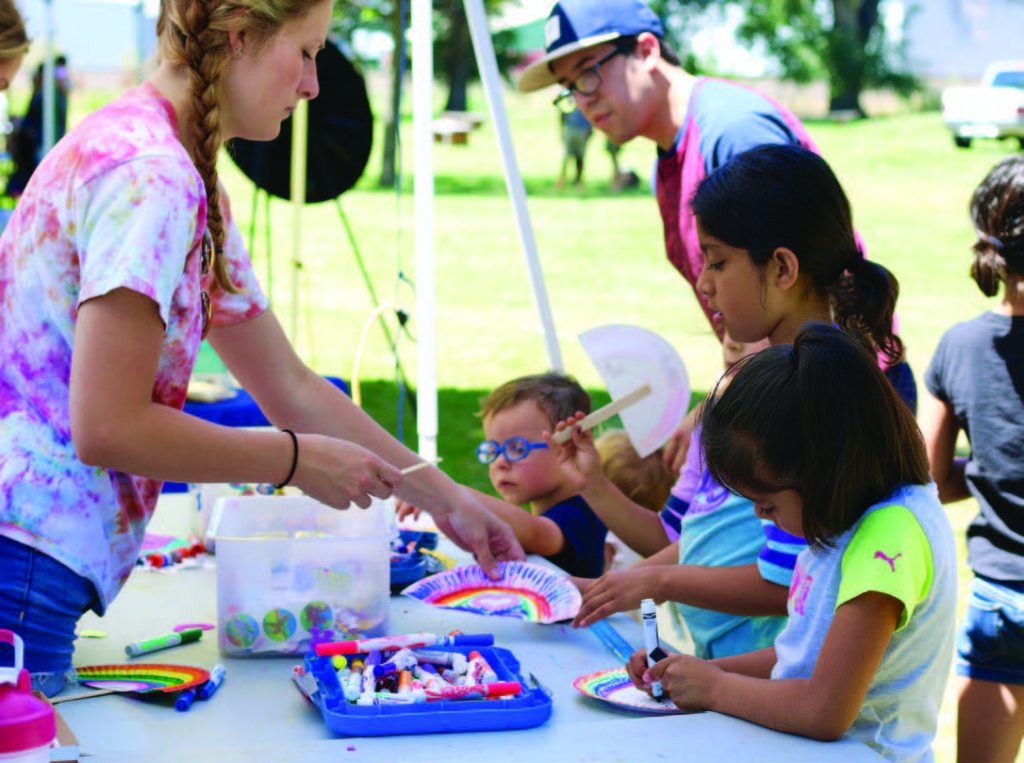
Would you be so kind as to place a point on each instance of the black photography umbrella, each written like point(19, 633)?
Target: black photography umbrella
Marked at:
point(339, 139)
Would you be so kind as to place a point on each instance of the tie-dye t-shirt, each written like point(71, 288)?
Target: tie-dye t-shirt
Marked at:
point(116, 204)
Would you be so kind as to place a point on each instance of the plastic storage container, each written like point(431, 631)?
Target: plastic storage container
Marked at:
point(530, 708)
point(288, 564)
point(27, 724)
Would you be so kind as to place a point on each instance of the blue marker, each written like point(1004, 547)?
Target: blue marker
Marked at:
point(185, 700)
point(216, 678)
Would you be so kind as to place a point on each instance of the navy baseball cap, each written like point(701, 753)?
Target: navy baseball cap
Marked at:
point(576, 24)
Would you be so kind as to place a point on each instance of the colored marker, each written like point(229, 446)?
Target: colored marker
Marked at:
point(387, 669)
point(136, 648)
point(216, 678)
point(410, 641)
point(185, 700)
point(612, 639)
point(427, 676)
point(479, 668)
point(648, 612)
point(387, 698)
point(403, 658)
point(476, 691)
point(405, 682)
point(354, 683)
point(454, 660)
point(369, 680)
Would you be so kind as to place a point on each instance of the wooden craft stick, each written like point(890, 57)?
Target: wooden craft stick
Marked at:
point(420, 465)
point(84, 695)
point(605, 412)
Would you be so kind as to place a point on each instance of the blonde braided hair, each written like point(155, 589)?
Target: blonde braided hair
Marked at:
point(193, 34)
point(13, 38)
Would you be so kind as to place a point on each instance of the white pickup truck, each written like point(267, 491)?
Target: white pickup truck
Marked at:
point(993, 109)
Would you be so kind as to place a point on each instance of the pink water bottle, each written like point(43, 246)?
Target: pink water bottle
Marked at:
point(27, 725)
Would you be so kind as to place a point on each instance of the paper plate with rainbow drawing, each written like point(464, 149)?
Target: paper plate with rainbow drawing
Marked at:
point(142, 678)
point(615, 687)
point(524, 591)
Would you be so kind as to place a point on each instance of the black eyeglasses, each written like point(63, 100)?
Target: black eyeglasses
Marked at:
point(207, 256)
point(587, 83)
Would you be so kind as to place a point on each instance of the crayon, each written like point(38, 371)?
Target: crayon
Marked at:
point(136, 648)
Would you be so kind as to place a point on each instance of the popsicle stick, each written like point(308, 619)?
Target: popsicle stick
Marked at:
point(605, 412)
point(420, 465)
point(85, 695)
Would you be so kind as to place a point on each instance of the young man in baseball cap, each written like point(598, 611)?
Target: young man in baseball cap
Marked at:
point(611, 61)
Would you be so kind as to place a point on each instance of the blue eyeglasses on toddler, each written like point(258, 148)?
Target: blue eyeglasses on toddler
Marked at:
point(514, 448)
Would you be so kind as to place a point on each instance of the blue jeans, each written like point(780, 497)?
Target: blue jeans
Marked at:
point(41, 600)
point(990, 646)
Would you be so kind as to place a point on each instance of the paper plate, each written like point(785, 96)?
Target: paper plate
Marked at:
point(525, 591)
point(628, 357)
point(142, 678)
point(615, 687)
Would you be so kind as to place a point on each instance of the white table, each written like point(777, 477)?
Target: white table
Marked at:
point(257, 714)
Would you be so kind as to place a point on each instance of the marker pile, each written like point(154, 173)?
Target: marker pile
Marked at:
point(393, 670)
point(172, 554)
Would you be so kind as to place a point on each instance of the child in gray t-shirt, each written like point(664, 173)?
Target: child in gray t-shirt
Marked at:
point(976, 383)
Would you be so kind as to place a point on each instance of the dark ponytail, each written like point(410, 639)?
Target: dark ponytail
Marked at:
point(863, 302)
point(997, 210)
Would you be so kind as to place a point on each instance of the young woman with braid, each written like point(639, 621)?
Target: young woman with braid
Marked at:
point(13, 42)
point(120, 256)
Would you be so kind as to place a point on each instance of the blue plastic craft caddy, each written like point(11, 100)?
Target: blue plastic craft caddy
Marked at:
point(530, 708)
point(406, 571)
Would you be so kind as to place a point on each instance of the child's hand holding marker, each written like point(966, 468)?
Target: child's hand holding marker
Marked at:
point(684, 679)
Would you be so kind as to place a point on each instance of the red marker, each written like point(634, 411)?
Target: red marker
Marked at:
point(475, 691)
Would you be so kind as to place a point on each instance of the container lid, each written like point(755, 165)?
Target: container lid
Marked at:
point(25, 721)
point(295, 518)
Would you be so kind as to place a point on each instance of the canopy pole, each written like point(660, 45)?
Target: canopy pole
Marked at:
point(300, 135)
point(487, 64)
point(49, 100)
point(423, 224)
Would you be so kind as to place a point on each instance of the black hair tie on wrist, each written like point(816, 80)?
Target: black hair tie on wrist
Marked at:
point(295, 459)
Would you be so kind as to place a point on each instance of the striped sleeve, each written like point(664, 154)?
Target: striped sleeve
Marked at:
point(682, 492)
point(778, 555)
point(672, 516)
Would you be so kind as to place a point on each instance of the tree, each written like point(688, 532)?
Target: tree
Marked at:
point(453, 48)
point(841, 41)
point(455, 62)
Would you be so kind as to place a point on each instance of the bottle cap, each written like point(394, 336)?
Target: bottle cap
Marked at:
point(26, 722)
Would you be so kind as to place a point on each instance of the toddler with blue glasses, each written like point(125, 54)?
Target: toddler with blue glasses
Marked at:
point(559, 525)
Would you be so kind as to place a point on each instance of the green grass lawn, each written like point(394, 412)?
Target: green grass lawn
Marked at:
point(603, 260)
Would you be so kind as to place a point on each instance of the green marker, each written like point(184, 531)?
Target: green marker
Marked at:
point(136, 648)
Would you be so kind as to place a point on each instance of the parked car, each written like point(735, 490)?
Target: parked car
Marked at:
point(992, 109)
